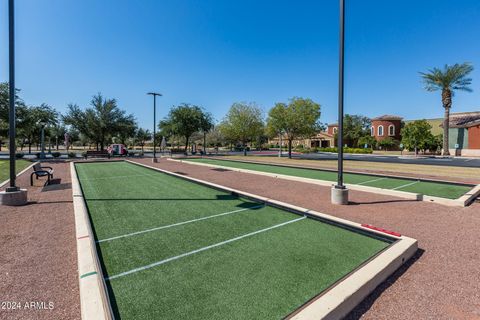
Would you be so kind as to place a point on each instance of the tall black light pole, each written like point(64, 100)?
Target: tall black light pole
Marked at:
point(154, 94)
point(339, 191)
point(12, 196)
point(11, 81)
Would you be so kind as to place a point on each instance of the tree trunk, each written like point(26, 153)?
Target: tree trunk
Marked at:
point(446, 126)
point(244, 148)
point(29, 147)
point(204, 143)
point(186, 145)
point(289, 149)
point(447, 104)
point(56, 142)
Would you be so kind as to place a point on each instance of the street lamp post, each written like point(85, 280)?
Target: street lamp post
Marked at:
point(339, 191)
point(154, 94)
point(12, 195)
point(42, 139)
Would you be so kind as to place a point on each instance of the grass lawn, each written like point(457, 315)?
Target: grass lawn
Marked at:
point(5, 168)
point(444, 190)
point(173, 249)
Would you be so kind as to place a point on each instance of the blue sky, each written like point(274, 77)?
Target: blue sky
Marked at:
point(215, 52)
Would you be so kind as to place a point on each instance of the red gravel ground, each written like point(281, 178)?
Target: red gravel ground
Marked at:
point(440, 282)
point(38, 261)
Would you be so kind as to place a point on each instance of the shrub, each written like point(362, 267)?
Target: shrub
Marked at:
point(72, 154)
point(346, 150)
point(38, 154)
point(56, 154)
point(19, 155)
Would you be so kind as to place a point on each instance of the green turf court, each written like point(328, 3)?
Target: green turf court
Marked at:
point(174, 249)
point(5, 168)
point(436, 189)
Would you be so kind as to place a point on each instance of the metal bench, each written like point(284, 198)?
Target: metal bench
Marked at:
point(97, 154)
point(41, 171)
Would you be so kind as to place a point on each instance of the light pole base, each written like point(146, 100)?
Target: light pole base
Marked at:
point(13, 198)
point(339, 196)
point(155, 160)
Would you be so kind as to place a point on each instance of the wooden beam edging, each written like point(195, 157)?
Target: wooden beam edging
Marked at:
point(463, 201)
point(337, 301)
point(94, 299)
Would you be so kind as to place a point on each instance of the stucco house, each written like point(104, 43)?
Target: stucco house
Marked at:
point(464, 133)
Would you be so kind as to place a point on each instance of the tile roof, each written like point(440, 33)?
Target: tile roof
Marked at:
point(464, 119)
point(388, 117)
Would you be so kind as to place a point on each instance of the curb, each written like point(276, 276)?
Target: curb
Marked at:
point(94, 300)
point(346, 294)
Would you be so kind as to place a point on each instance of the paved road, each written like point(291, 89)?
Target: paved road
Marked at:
point(454, 162)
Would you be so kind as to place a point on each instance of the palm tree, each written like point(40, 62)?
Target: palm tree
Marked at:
point(448, 80)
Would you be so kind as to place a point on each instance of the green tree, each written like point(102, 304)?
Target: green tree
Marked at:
point(434, 143)
point(58, 133)
point(206, 124)
point(416, 135)
point(297, 119)
point(387, 143)
point(102, 121)
point(243, 123)
point(368, 140)
point(4, 110)
point(354, 128)
point(448, 80)
point(183, 120)
point(30, 119)
point(215, 137)
point(142, 136)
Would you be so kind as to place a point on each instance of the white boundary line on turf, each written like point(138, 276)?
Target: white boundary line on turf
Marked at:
point(4, 183)
point(116, 177)
point(406, 185)
point(463, 201)
point(155, 264)
point(339, 300)
point(365, 182)
point(177, 224)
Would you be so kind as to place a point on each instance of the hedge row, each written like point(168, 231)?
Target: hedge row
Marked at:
point(334, 150)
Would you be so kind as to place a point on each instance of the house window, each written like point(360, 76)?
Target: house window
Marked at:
point(380, 131)
point(335, 130)
point(372, 131)
point(391, 130)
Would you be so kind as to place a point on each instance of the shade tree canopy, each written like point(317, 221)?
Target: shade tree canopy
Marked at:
point(416, 135)
point(242, 124)
point(100, 122)
point(297, 119)
point(183, 121)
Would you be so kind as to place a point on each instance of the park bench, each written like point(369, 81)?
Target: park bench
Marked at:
point(41, 171)
point(97, 154)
